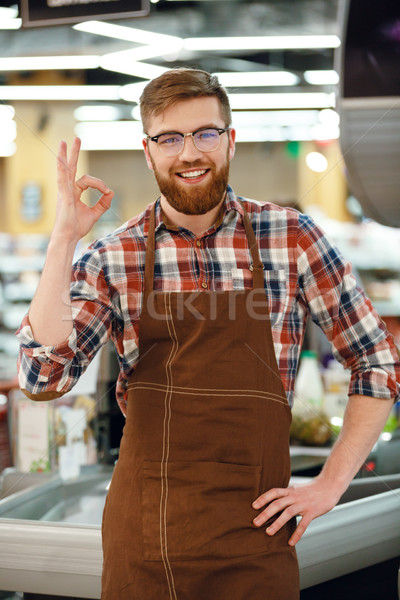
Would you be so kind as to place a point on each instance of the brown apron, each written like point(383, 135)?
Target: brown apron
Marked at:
point(207, 431)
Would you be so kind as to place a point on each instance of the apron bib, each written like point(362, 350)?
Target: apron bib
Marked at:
point(207, 431)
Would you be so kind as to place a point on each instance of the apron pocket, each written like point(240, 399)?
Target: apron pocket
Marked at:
point(200, 510)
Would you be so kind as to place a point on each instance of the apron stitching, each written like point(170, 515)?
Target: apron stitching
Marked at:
point(209, 391)
point(164, 461)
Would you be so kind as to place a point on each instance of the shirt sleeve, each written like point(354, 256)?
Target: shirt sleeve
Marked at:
point(47, 372)
point(359, 338)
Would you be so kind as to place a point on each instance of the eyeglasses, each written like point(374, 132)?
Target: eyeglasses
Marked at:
point(205, 140)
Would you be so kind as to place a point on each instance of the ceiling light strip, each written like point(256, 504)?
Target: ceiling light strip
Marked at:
point(257, 79)
point(39, 63)
point(281, 101)
point(60, 92)
point(285, 42)
point(129, 34)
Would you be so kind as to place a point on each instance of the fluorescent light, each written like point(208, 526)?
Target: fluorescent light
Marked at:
point(316, 162)
point(132, 91)
point(322, 132)
point(257, 78)
point(6, 112)
point(8, 18)
point(326, 77)
point(267, 118)
point(8, 131)
point(281, 101)
point(329, 117)
point(7, 149)
point(10, 12)
point(276, 133)
point(281, 42)
point(260, 134)
point(10, 24)
point(59, 92)
point(143, 53)
point(122, 62)
point(136, 113)
point(97, 113)
point(36, 63)
point(117, 135)
point(129, 34)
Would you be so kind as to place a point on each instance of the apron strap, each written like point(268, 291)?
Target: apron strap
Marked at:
point(257, 267)
point(150, 252)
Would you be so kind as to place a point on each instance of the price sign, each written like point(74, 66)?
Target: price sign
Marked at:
point(38, 13)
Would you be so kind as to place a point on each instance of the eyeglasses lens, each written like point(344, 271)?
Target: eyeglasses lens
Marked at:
point(205, 140)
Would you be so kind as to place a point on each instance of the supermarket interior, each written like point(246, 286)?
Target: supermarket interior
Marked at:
point(314, 87)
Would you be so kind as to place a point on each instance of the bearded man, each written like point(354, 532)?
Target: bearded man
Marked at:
point(205, 296)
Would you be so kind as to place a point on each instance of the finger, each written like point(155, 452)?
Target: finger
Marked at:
point(275, 507)
point(286, 515)
point(73, 160)
point(299, 531)
point(62, 155)
point(269, 496)
point(87, 181)
point(103, 204)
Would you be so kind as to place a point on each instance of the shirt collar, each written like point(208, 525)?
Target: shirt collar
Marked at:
point(230, 205)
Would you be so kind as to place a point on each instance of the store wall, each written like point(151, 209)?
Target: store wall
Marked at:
point(30, 184)
point(326, 190)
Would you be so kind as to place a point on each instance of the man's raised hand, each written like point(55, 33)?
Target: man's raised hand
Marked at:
point(74, 219)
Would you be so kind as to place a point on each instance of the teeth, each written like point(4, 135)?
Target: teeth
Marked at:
point(192, 174)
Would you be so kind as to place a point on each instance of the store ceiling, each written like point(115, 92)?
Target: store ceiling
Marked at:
point(213, 18)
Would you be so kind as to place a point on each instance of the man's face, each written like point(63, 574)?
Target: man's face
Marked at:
point(193, 182)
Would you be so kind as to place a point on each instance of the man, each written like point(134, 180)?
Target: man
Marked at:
point(205, 297)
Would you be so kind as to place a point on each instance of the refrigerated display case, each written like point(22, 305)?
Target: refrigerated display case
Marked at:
point(50, 538)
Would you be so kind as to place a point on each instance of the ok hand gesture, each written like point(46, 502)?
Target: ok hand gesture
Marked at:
point(74, 219)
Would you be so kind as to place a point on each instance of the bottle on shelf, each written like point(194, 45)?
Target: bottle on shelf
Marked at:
point(310, 425)
point(309, 387)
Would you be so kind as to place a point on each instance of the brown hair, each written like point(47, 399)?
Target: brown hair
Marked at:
point(181, 84)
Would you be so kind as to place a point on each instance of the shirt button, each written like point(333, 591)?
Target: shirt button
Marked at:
point(204, 285)
point(198, 244)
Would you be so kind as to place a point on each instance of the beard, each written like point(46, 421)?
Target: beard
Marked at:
point(199, 199)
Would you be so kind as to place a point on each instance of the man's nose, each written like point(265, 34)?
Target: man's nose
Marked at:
point(189, 151)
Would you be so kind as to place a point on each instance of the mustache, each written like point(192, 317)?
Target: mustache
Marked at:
point(191, 165)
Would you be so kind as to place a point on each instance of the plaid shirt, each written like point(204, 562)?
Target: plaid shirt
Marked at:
point(304, 275)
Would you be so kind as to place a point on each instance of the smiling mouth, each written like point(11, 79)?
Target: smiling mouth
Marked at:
point(193, 174)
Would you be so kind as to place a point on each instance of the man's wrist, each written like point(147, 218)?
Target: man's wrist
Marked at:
point(60, 242)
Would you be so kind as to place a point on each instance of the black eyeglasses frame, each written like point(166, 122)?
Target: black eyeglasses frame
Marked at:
point(155, 138)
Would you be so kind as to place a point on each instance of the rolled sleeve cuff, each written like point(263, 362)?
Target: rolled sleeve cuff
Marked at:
point(61, 353)
point(377, 383)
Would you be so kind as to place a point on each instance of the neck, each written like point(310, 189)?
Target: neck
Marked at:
point(197, 224)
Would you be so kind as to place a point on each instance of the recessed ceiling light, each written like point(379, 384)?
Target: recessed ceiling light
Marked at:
point(316, 162)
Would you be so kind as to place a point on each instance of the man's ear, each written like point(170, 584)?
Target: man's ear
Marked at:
point(147, 153)
point(232, 138)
